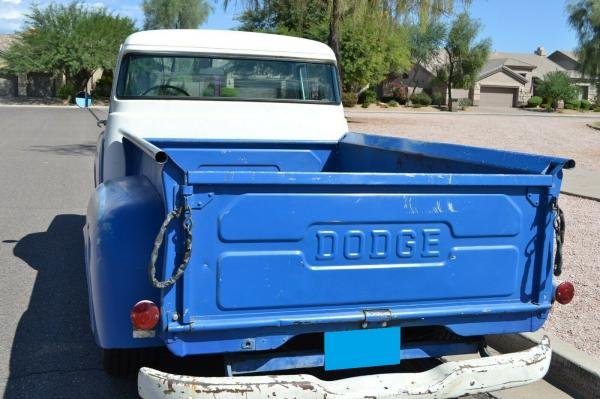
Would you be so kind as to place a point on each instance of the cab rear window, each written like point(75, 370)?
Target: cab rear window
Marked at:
point(225, 78)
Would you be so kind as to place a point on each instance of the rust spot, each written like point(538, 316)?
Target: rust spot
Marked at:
point(169, 389)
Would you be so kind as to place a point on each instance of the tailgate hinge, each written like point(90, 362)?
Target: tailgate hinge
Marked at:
point(381, 316)
point(197, 201)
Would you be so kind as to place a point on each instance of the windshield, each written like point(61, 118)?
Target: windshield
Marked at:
point(224, 78)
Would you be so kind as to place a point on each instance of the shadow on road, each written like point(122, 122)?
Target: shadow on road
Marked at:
point(53, 353)
point(68, 149)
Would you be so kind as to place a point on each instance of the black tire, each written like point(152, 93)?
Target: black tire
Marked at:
point(126, 362)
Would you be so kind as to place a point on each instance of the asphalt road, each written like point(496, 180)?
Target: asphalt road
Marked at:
point(46, 347)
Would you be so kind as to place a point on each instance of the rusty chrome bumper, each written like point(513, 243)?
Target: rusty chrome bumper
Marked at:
point(449, 379)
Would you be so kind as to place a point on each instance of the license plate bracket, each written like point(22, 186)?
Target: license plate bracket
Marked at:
point(362, 348)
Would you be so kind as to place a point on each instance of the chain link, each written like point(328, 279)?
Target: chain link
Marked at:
point(187, 227)
point(559, 236)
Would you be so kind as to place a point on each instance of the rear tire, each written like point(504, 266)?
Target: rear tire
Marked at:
point(126, 362)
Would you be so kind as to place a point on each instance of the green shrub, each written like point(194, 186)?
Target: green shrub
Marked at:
point(420, 99)
point(534, 102)
point(209, 91)
point(392, 103)
point(367, 97)
point(572, 104)
point(67, 92)
point(365, 104)
point(585, 105)
point(464, 103)
point(437, 98)
point(545, 106)
point(229, 92)
point(103, 86)
point(349, 99)
point(400, 94)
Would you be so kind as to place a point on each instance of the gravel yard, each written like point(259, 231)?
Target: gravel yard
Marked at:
point(579, 322)
point(569, 137)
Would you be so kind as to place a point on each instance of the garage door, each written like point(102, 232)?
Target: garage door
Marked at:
point(497, 96)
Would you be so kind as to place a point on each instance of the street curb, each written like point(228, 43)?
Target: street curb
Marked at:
point(68, 106)
point(571, 370)
point(593, 127)
point(474, 113)
point(584, 196)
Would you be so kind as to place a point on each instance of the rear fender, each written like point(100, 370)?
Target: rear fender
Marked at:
point(123, 217)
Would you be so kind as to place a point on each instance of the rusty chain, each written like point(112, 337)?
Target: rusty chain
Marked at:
point(187, 227)
point(559, 236)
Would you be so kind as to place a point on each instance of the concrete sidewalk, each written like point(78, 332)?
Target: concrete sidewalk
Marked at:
point(582, 183)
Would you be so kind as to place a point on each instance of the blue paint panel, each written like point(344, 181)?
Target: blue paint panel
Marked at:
point(362, 348)
point(290, 217)
point(295, 238)
point(262, 280)
point(122, 219)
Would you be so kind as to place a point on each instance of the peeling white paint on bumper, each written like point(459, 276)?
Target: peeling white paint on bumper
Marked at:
point(450, 379)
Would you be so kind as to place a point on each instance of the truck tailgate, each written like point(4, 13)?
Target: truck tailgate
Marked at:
point(316, 238)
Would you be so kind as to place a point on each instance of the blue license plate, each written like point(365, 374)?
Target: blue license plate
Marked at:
point(362, 348)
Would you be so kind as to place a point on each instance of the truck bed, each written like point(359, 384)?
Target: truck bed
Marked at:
point(300, 238)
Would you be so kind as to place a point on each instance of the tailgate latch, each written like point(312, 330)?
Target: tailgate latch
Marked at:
point(381, 316)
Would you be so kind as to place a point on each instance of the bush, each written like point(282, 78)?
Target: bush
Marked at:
point(545, 106)
point(103, 86)
point(585, 105)
point(534, 102)
point(365, 104)
point(392, 103)
point(367, 97)
point(229, 92)
point(67, 92)
point(420, 99)
point(349, 99)
point(464, 103)
point(437, 98)
point(400, 94)
point(572, 104)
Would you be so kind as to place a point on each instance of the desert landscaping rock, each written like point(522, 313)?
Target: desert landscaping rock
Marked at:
point(568, 137)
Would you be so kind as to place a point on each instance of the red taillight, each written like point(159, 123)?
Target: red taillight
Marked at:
point(144, 315)
point(564, 293)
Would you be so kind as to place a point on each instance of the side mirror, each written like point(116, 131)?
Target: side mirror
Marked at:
point(83, 99)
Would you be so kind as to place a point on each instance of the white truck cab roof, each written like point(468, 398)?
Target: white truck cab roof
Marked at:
point(228, 42)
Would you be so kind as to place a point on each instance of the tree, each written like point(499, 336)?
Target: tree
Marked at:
point(175, 14)
point(264, 15)
point(464, 57)
point(424, 43)
point(372, 47)
point(371, 44)
point(584, 17)
point(556, 86)
point(72, 39)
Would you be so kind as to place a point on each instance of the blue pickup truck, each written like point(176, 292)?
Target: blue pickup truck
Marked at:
point(235, 215)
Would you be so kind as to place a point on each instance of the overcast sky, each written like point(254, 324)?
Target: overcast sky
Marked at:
point(513, 25)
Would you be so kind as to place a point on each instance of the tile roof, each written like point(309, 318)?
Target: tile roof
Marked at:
point(542, 64)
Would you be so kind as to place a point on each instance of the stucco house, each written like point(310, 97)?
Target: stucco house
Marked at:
point(568, 60)
point(506, 79)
